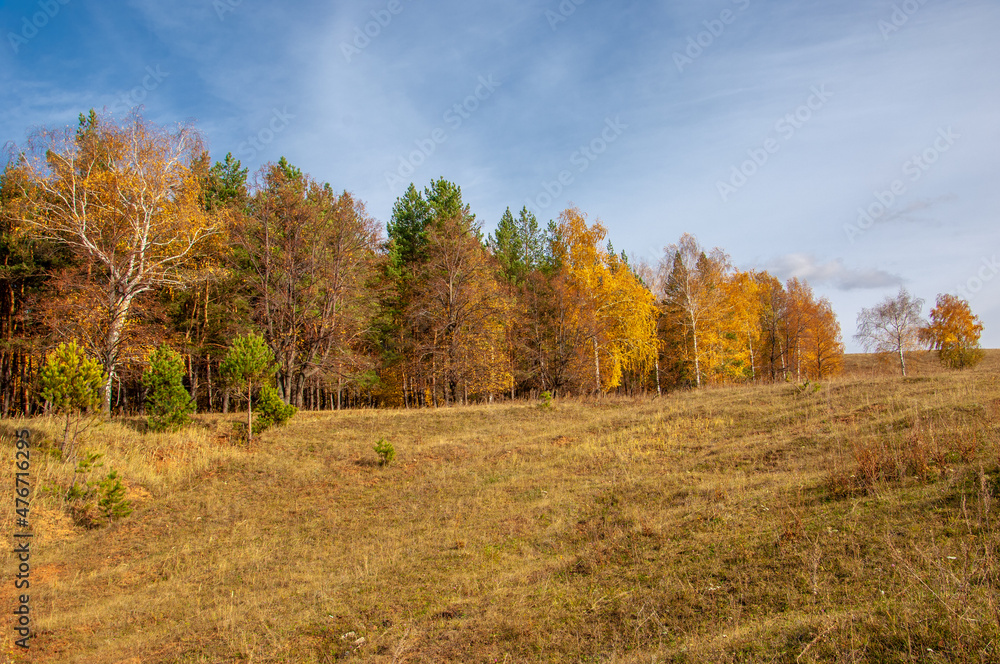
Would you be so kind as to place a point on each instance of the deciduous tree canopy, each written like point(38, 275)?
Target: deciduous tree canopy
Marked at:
point(122, 235)
point(125, 197)
point(954, 332)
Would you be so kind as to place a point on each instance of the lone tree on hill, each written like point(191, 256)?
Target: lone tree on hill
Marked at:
point(954, 332)
point(892, 326)
point(249, 361)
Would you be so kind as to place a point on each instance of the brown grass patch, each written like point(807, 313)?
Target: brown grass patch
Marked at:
point(748, 524)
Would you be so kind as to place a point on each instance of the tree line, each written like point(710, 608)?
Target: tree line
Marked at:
point(122, 235)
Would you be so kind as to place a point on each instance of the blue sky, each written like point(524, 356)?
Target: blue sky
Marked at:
point(854, 144)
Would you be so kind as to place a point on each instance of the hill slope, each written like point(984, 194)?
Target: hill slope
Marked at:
point(754, 524)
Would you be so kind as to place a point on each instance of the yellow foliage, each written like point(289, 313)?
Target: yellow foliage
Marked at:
point(609, 302)
point(954, 331)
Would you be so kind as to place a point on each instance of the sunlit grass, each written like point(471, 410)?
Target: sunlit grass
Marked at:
point(726, 525)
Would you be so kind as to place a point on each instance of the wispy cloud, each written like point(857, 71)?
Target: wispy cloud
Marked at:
point(909, 213)
point(833, 273)
point(353, 119)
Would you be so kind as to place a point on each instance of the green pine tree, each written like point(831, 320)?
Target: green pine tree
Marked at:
point(225, 184)
point(271, 410)
point(249, 361)
point(168, 403)
point(70, 383)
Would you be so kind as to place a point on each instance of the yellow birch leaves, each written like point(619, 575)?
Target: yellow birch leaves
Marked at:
point(609, 302)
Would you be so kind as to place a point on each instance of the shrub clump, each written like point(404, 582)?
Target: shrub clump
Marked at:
point(385, 451)
point(271, 410)
point(95, 502)
point(958, 356)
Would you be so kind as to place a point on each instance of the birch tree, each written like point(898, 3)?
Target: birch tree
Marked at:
point(617, 312)
point(892, 326)
point(125, 196)
point(691, 293)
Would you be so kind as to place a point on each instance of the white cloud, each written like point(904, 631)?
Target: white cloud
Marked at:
point(833, 273)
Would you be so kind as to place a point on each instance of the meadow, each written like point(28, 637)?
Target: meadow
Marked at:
point(851, 521)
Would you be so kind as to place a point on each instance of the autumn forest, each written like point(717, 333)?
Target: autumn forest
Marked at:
point(122, 236)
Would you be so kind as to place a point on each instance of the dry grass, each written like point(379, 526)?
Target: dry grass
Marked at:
point(751, 524)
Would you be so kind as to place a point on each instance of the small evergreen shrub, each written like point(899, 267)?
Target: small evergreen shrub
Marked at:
point(112, 502)
point(168, 403)
point(83, 467)
point(71, 383)
point(271, 410)
point(385, 451)
point(808, 387)
point(94, 503)
point(546, 400)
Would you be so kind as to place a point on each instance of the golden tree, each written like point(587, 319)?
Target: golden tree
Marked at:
point(736, 336)
point(822, 347)
point(796, 318)
point(553, 335)
point(630, 312)
point(125, 196)
point(954, 332)
point(610, 303)
point(692, 298)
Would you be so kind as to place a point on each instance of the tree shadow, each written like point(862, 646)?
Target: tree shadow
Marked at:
point(134, 422)
point(10, 430)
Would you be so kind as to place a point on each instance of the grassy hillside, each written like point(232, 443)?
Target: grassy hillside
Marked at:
point(856, 523)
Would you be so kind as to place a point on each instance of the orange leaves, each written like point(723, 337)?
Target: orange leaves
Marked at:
point(952, 322)
point(608, 302)
point(808, 333)
point(722, 325)
point(123, 196)
point(954, 331)
point(822, 348)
